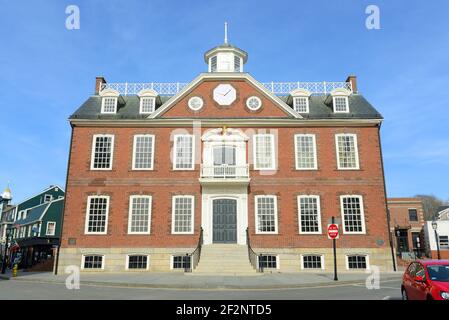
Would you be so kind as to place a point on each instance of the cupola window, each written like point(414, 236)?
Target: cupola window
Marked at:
point(237, 64)
point(213, 64)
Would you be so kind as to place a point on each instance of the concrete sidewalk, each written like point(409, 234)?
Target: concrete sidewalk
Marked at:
point(192, 281)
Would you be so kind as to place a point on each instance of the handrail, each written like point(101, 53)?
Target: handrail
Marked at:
point(253, 257)
point(194, 256)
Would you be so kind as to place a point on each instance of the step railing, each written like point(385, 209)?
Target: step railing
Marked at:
point(194, 257)
point(253, 257)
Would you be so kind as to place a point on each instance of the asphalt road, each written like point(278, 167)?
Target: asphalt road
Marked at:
point(17, 290)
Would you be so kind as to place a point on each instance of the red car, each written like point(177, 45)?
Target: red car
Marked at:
point(426, 280)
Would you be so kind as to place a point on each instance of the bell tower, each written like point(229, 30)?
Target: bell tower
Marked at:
point(225, 57)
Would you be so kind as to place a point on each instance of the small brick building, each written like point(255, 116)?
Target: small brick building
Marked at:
point(406, 225)
point(153, 164)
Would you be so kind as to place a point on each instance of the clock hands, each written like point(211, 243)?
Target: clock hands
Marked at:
point(227, 92)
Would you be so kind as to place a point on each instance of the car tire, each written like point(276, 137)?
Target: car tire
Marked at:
point(404, 294)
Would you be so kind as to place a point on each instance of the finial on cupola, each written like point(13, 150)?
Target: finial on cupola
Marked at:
point(226, 33)
point(6, 195)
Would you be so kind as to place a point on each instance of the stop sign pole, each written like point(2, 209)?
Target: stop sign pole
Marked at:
point(334, 244)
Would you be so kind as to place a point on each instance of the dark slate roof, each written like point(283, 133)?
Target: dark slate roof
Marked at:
point(442, 208)
point(34, 214)
point(359, 108)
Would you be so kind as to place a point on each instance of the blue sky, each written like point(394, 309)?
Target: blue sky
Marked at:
point(47, 71)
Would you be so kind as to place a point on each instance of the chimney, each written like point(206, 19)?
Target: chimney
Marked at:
point(353, 80)
point(98, 82)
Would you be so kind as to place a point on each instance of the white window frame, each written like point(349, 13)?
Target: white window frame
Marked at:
point(295, 107)
point(150, 205)
point(323, 267)
point(175, 146)
point(103, 99)
point(153, 138)
point(278, 264)
point(273, 149)
point(356, 149)
point(334, 104)
point(48, 195)
point(54, 230)
point(153, 99)
point(86, 224)
point(256, 215)
point(137, 254)
point(92, 155)
point(192, 222)
point(317, 197)
point(83, 257)
point(315, 157)
point(357, 254)
point(172, 261)
point(362, 213)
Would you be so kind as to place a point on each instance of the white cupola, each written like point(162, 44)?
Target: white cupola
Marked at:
point(225, 57)
point(6, 195)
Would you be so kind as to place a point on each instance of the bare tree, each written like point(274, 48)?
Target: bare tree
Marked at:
point(430, 205)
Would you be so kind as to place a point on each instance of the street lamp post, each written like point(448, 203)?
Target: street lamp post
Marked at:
point(435, 226)
point(8, 230)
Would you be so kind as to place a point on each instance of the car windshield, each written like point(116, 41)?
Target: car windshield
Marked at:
point(438, 272)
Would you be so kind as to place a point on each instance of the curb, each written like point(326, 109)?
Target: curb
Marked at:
point(205, 286)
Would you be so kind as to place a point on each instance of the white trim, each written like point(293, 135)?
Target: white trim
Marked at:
point(346, 102)
point(54, 230)
point(356, 150)
point(103, 260)
point(323, 266)
point(40, 194)
point(256, 216)
point(315, 156)
point(307, 104)
point(298, 201)
point(86, 223)
point(115, 104)
point(357, 254)
point(258, 100)
point(192, 224)
point(150, 207)
point(273, 150)
point(362, 213)
point(153, 138)
point(92, 154)
point(190, 102)
point(175, 145)
point(224, 76)
point(278, 261)
point(137, 254)
point(172, 261)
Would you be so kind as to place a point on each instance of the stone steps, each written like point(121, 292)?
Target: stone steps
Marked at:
point(224, 259)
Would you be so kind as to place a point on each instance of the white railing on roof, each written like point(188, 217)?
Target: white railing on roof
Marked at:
point(281, 88)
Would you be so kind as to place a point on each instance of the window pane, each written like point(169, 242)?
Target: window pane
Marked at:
point(305, 152)
point(266, 214)
point(137, 262)
point(93, 262)
point(97, 214)
point(140, 214)
point(184, 152)
point(357, 262)
point(413, 214)
point(181, 262)
point(264, 151)
point(109, 105)
point(143, 152)
point(312, 262)
point(267, 261)
point(352, 214)
point(309, 214)
point(102, 152)
point(183, 212)
point(341, 104)
point(301, 105)
point(347, 154)
point(147, 105)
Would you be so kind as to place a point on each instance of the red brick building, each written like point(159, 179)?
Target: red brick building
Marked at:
point(153, 164)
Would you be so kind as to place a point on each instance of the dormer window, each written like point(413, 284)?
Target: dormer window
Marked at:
point(340, 100)
point(109, 101)
point(109, 105)
point(147, 101)
point(301, 100)
point(147, 104)
point(340, 104)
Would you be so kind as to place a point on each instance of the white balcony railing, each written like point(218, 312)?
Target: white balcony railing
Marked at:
point(280, 88)
point(224, 172)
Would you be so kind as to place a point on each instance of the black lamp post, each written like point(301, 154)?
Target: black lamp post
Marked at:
point(8, 231)
point(435, 226)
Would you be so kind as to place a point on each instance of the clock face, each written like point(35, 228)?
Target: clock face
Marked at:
point(225, 94)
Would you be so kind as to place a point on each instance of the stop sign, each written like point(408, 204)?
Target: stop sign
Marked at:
point(332, 231)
